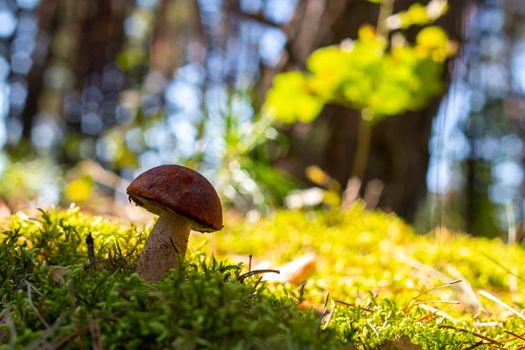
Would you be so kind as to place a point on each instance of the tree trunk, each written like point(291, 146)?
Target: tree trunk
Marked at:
point(35, 77)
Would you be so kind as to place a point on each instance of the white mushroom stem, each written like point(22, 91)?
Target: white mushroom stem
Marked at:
point(166, 244)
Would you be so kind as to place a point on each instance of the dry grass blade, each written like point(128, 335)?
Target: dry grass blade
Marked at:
point(437, 312)
point(501, 303)
point(518, 336)
point(325, 305)
point(436, 288)
point(413, 301)
point(41, 341)
point(426, 318)
point(503, 267)
point(418, 265)
point(30, 287)
point(329, 318)
point(470, 298)
point(324, 312)
point(5, 316)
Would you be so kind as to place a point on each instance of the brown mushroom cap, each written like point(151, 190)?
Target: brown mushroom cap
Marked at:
point(179, 189)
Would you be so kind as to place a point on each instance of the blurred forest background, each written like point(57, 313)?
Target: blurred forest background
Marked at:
point(93, 92)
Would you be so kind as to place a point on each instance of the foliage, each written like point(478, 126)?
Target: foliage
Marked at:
point(378, 77)
point(245, 175)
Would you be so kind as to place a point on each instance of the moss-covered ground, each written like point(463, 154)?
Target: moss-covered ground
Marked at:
point(376, 285)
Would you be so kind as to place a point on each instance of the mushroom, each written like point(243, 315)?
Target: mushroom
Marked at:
point(184, 200)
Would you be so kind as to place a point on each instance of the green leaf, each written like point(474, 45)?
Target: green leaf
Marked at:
point(364, 74)
point(291, 99)
point(330, 67)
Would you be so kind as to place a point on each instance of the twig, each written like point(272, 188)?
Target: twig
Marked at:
point(256, 284)
point(342, 302)
point(362, 343)
point(64, 340)
point(94, 330)
point(242, 277)
point(90, 242)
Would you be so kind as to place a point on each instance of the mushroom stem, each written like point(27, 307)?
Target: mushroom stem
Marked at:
point(165, 245)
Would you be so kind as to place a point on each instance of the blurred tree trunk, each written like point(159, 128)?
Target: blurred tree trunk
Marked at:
point(77, 39)
point(101, 37)
point(399, 153)
point(175, 30)
point(35, 77)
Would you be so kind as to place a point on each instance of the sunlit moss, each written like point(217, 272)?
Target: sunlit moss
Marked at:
point(373, 287)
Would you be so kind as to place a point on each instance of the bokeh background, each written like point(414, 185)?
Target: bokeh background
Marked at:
point(93, 92)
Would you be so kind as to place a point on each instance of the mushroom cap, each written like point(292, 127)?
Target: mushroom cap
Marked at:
point(181, 190)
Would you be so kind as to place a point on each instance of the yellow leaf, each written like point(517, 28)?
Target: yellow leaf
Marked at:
point(317, 175)
point(79, 190)
point(367, 33)
point(433, 42)
point(416, 14)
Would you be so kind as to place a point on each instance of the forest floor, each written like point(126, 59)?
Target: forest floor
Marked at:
point(349, 280)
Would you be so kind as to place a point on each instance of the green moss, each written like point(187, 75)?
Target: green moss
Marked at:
point(368, 256)
point(51, 297)
point(377, 285)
